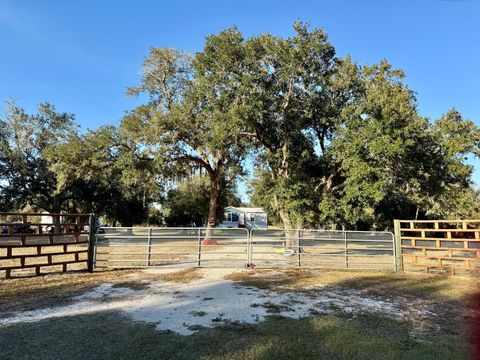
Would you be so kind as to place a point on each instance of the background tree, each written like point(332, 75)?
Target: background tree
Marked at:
point(393, 162)
point(344, 146)
point(287, 83)
point(297, 90)
point(188, 203)
point(25, 175)
point(456, 139)
point(47, 165)
point(334, 144)
point(191, 120)
point(104, 177)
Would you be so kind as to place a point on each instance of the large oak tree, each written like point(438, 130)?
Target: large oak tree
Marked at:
point(192, 119)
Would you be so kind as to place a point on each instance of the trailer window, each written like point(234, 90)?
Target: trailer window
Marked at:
point(228, 216)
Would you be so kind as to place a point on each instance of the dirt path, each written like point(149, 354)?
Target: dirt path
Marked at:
point(212, 299)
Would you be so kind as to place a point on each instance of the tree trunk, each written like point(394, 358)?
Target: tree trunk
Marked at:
point(57, 209)
point(212, 209)
point(291, 241)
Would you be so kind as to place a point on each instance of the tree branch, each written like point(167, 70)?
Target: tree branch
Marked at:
point(199, 161)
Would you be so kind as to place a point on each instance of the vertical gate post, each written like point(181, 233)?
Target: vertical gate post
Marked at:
point(249, 248)
point(345, 248)
point(398, 246)
point(249, 263)
point(149, 246)
point(199, 247)
point(299, 247)
point(91, 242)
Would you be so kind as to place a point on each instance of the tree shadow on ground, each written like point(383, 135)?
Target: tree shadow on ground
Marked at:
point(109, 335)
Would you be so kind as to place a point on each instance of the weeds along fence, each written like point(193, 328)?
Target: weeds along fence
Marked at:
point(233, 248)
point(33, 243)
point(443, 246)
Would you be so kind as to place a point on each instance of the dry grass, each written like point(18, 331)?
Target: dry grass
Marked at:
point(182, 276)
point(382, 283)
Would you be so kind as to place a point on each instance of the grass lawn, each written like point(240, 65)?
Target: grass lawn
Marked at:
point(104, 336)
point(339, 335)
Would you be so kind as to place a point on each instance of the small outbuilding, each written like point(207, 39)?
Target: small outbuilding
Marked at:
point(244, 217)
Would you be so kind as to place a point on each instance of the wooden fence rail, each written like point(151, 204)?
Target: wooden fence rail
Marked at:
point(438, 245)
point(31, 242)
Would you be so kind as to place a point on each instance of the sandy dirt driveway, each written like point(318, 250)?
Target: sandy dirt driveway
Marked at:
point(214, 296)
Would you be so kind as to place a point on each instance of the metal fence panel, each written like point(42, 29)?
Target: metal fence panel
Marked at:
point(327, 249)
point(141, 247)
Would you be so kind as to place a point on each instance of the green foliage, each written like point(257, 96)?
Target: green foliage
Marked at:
point(192, 119)
point(340, 145)
point(25, 176)
point(261, 190)
point(47, 165)
point(104, 176)
point(288, 92)
point(456, 138)
point(394, 163)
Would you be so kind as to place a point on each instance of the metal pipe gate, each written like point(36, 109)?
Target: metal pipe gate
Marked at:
point(142, 247)
point(323, 249)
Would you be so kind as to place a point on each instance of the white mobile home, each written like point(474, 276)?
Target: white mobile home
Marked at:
point(244, 217)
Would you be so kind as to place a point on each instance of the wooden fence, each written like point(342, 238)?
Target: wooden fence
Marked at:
point(32, 242)
point(438, 245)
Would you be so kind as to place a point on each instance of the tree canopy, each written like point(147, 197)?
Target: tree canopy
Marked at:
point(333, 143)
point(343, 145)
point(47, 165)
point(192, 119)
point(25, 175)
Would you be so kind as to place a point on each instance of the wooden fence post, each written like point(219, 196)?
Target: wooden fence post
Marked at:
point(398, 245)
point(92, 223)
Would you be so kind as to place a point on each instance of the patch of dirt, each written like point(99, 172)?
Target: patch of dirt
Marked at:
point(133, 285)
point(181, 276)
point(172, 301)
point(266, 279)
point(198, 313)
point(433, 303)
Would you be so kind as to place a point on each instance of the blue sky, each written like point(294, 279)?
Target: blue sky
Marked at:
point(81, 55)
